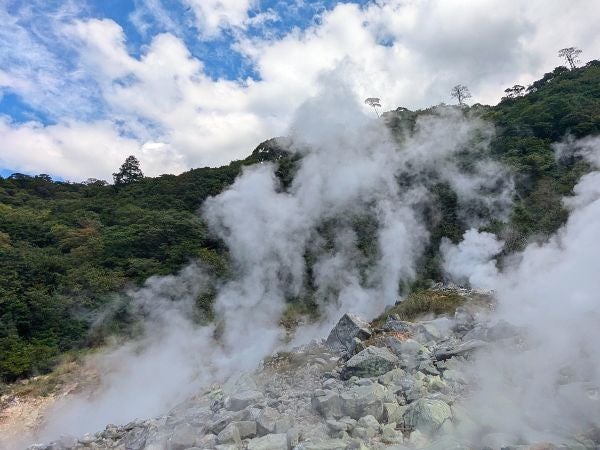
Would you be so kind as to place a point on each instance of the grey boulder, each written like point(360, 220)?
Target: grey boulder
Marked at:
point(371, 362)
point(269, 442)
point(427, 415)
point(461, 349)
point(342, 337)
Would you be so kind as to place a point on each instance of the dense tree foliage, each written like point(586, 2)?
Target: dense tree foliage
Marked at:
point(129, 172)
point(69, 249)
point(563, 103)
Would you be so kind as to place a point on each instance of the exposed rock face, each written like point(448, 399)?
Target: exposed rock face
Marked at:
point(401, 392)
point(342, 337)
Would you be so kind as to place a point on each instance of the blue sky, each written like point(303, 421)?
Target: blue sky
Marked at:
point(221, 60)
point(189, 83)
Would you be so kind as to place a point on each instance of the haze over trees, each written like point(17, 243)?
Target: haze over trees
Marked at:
point(68, 251)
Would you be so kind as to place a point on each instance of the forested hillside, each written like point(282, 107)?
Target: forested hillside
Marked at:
point(68, 250)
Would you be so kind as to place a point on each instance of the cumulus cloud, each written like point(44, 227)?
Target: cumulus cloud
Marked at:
point(408, 53)
point(212, 16)
point(57, 149)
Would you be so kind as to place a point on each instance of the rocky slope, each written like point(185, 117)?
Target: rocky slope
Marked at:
point(396, 386)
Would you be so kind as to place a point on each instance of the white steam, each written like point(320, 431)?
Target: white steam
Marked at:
point(471, 261)
point(350, 166)
point(547, 389)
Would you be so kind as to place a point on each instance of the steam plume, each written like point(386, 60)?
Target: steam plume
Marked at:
point(350, 165)
point(546, 389)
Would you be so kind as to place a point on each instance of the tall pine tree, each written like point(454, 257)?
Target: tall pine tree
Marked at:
point(129, 172)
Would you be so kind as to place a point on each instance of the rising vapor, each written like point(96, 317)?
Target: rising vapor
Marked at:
point(544, 387)
point(350, 165)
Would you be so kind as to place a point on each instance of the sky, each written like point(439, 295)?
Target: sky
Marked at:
point(183, 84)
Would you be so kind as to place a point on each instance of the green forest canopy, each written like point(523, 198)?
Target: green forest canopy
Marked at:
point(67, 250)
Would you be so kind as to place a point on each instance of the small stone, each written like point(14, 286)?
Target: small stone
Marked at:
point(357, 345)
point(389, 434)
point(269, 442)
point(398, 414)
point(428, 368)
point(368, 422)
point(364, 433)
point(336, 425)
point(230, 434)
point(388, 411)
point(330, 444)
point(330, 383)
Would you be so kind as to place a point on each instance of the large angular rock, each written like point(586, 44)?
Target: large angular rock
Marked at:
point(269, 442)
point(371, 362)
point(221, 420)
point(241, 400)
point(361, 401)
point(267, 419)
point(327, 403)
point(229, 435)
point(356, 402)
point(247, 428)
point(461, 349)
point(272, 421)
point(393, 377)
point(427, 415)
point(341, 338)
point(184, 436)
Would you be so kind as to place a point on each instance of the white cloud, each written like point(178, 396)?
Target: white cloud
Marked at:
point(148, 12)
point(408, 53)
point(66, 148)
point(212, 16)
